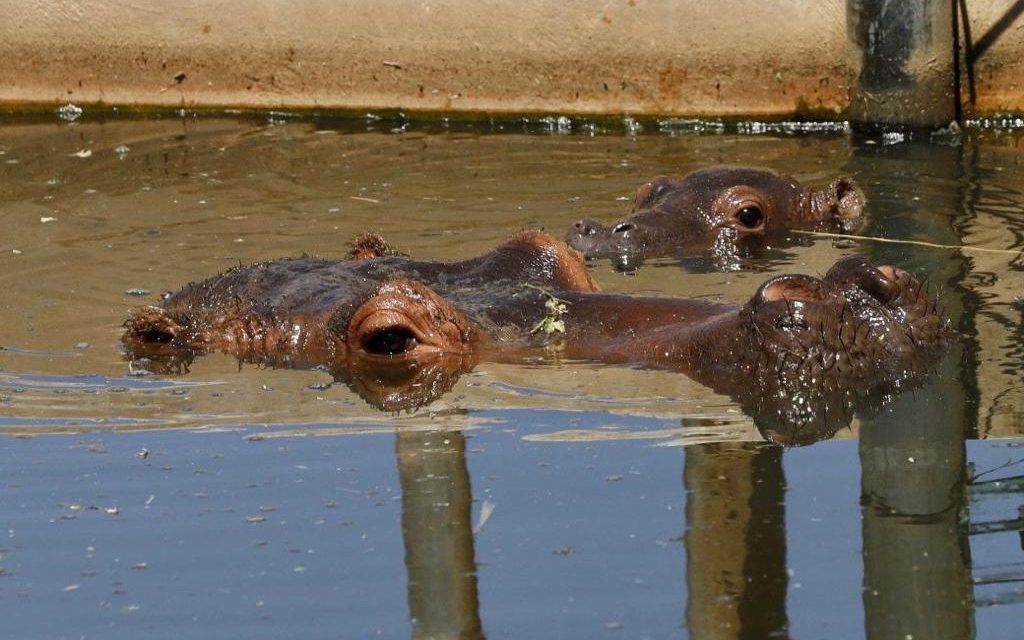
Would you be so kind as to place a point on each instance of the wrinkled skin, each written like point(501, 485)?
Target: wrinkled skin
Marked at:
point(801, 355)
point(725, 212)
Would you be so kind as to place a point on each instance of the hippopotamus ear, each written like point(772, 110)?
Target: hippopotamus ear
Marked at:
point(370, 245)
point(651, 191)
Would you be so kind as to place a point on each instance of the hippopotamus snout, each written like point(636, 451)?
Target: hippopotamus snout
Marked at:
point(585, 228)
point(856, 317)
point(591, 238)
point(854, 273)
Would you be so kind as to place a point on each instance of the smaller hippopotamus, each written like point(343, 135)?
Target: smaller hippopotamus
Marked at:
point(717, 210)
point(801, 351)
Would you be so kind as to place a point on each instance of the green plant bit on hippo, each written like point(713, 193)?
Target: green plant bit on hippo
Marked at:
point(553, 322)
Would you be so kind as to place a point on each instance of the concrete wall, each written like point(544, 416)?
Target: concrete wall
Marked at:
point(992, 37)
point(571, 56)
point(682, 57)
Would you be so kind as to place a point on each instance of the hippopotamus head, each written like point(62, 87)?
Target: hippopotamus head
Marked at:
point(401, 331)
point(397, 330)
point(803, 354)
point(716, 210)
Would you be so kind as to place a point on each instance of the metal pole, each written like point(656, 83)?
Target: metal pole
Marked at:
point(907, 52)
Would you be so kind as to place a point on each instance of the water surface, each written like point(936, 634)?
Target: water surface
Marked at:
point(563, 500)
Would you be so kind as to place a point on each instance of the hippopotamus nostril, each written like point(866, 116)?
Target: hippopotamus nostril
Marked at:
point(881, 283)
point(890, 272)
point(789, 288)
point(878, 285)
point(623, 227)
point(849, 199)
point(585, 227)
point(784, 301)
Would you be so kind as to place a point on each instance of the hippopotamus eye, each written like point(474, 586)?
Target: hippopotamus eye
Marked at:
point(750, 216)
point(389, 342)
point(623, 227)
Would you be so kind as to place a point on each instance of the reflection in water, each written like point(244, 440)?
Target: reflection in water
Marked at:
point(1001, 501)
point(438, 535)
point(735, 541)
point(915, 543)
point(916, 555)
point(397, 386)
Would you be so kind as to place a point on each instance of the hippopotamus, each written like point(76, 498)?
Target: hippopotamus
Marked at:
point(718, 210)
point(400, 331)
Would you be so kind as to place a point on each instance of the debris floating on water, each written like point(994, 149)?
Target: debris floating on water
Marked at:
point(486, 509)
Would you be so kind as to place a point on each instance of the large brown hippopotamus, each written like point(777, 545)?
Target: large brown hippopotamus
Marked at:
point(718, 210)
point(401, 331)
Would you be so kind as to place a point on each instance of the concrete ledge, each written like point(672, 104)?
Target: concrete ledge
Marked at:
point(664, 57)
point(575, 56)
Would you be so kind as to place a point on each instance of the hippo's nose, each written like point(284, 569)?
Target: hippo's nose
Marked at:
point(586, 227)
point(883, 283)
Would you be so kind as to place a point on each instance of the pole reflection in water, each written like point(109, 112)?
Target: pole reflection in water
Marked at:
point(915, 549)
point(916, 552)
point(735, 541)
point(438, 536)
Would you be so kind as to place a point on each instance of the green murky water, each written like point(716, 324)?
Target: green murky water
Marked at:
point(564, 500)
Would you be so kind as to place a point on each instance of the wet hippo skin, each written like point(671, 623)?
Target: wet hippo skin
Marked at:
point(400, 331)
point(719, 210)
